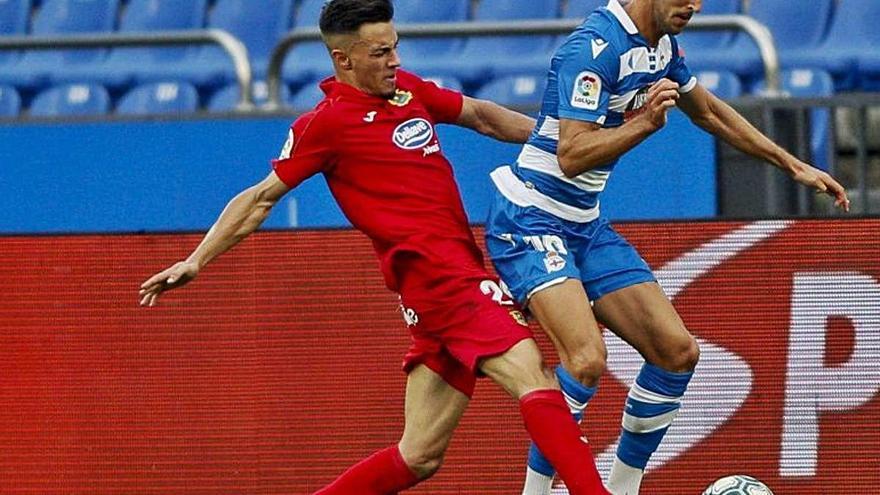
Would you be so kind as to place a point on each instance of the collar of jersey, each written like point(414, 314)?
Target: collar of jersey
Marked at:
point(333, 87)
point(620, 14)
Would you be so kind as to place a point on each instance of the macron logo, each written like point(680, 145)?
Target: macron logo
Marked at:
point(598, 47)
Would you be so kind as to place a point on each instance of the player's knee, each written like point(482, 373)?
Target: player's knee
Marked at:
point(425, 463)
point(682, 355)
point(586, 364)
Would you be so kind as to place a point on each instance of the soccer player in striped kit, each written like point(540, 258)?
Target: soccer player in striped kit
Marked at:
point(373, 138)
point(610, 86)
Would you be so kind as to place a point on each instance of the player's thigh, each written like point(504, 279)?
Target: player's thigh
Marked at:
point(519, 370)
point(528, 248)
point(565, 314)
point(433, 409)
point(643, 316)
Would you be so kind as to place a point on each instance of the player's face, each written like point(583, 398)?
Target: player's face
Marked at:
point(374, 60)
point(673, 15)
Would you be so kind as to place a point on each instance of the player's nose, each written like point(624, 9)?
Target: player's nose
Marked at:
point(697, 6)
point(394, 60)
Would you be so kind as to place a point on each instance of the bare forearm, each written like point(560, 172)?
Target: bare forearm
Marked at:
point(726, 123)
point(504, 124)
point(242, 216)
point(591, 149)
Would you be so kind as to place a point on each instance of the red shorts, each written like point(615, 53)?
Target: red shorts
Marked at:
point(457, 314)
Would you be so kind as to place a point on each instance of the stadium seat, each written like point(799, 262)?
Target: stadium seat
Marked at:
point(308, 60)
point(810, 83)
point(525, 90)
point(797, 33)
point(425, 56)
point(259, 25)
point(10, 102)
point(14, 15)
point(705, 49)
point(580, 9)
point(446, 82)
point(855, 34)
point(71, 100)
point(159, 98)
point(484, 58)
point(40, 68)
point(307, 97)
point(226, 99)
point(129, 66)
point(724, 85)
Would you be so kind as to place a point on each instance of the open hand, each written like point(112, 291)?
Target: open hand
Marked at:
point(172, 277)
point(821, 182)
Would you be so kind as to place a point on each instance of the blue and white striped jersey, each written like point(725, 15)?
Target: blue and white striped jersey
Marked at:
point(600, 74)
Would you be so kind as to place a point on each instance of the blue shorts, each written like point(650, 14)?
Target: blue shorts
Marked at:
point(532, 249)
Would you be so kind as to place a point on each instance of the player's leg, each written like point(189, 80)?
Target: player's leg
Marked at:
point(643, 316)
point(564, 313)
point(521, 372)
point(530, 252)
point(433, 409)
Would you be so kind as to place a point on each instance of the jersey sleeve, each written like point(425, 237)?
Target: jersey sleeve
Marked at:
point(307, 151)
point(443, 104)
point(679, 71)
point(586, 74)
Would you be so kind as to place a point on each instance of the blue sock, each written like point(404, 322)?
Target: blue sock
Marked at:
point(576, 396)
point(651, 405)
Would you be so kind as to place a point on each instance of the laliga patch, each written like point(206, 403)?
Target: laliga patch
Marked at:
point(587, 88)
point(288, 147)
point(401, 98)
point(553, 262)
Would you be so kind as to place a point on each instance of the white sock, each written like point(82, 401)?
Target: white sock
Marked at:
point(624, 479)
point(537, 483)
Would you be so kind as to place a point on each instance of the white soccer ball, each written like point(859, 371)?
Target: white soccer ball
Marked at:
point(737, 484)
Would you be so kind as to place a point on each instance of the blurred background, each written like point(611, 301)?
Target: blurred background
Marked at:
point(126, 125)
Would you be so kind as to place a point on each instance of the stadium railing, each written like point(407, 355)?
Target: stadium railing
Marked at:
point(762, 36)
point(229, 43)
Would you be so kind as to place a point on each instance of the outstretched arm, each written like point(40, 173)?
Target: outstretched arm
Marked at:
point(495, 121)
point(717, 117)
point(242, 216)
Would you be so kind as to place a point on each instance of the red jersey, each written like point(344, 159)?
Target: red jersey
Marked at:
point(383, 163)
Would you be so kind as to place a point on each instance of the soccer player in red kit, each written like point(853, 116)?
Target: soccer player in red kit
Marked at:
point(373, 137)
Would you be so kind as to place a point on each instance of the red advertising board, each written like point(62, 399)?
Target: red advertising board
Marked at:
point(280, 366)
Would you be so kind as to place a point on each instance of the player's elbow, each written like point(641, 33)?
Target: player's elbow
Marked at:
point(569, 164)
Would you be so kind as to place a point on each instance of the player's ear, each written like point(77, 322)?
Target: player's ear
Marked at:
point(340, 59)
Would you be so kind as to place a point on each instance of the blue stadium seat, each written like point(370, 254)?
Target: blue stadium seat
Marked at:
point(259, 25)
point(705, 49)
point(307, 61)
point(525, 90)
point(797, 32)
point(128, 66)
point(307, 97)
point(446, 82)
point(580, 9)
point(850, 52)
point(40, 68)
point(10, 102)
point(14, 15)
point(722, 84)
point(811, 83)
point(71, 100)
point(226, 99)
point(425, 56)
point(159, 98)
point(484, 58)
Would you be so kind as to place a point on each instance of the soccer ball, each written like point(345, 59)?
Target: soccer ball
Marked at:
point(737, 484)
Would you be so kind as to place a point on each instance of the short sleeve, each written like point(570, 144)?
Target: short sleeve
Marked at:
point(306, 152)
point(586, 73)
point(443, 104)
point(679, 71)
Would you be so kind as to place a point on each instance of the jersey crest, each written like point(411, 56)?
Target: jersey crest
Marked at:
point(401, 98)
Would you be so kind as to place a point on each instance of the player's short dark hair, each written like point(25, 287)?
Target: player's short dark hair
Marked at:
point(347, 16)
